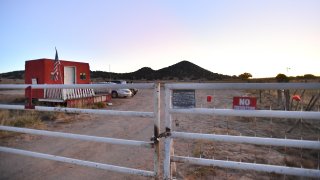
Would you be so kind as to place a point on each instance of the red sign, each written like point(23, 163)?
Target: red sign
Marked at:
point(244, 103)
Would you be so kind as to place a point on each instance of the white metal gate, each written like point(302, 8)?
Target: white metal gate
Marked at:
point(150, 144)
point(170, 157)
point(169, 134)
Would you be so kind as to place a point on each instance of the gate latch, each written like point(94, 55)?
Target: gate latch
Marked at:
point(165, 134)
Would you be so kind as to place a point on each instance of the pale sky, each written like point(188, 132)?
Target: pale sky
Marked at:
point(262, 37)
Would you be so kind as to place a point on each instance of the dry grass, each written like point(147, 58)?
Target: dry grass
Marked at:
point(15, 118)
point(11, 81)
point(269, 99)
point(29, 119)
point(19, 118)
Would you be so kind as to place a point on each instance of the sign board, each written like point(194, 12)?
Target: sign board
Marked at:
point(244, 103)
point(34, 81)
point(182, 99)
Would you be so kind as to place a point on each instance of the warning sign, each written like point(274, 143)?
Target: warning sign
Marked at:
point(183, 99)
point(244, 103)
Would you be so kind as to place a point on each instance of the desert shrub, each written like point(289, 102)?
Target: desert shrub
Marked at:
point(48, 116)
point(99, 105)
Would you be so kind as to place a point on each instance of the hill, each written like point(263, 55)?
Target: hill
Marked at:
point(13, 75)
point(183, 70)
point(188, 70)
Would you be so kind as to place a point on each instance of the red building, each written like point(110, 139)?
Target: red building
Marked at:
point(41, 71)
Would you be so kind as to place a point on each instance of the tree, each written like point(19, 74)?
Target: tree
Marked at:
point(309, 76)
point(245, 76)
point(282, 78)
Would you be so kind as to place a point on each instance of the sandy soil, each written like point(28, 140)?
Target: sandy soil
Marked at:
point(20, 167)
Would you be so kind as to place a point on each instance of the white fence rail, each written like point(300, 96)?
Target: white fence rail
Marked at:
point(249, 113)
point(249, 140)
point(151, 144)
point(78, 86)
point(78, 136)
point(86, 111)
point(171, 135)
point(249, 166)
point(79, 162)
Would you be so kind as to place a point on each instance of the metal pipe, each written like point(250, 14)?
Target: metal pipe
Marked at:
point(250, 140)
point(156, 131)
point(167, 159)
point(167, 107)
point(86, 111)
point(77, 86)
point(78, 136)
point(250, 113)
point(79, 162)
point(13, 107)
point(243, 86)
point(249, 166)
point(168, 140)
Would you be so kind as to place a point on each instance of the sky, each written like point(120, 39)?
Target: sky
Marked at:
point(261, 37)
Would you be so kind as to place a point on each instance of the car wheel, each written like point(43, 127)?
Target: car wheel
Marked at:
point(114, 94)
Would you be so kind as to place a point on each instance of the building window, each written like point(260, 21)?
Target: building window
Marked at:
point(83, 76)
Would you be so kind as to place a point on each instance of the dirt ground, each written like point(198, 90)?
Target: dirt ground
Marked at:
point(21, 167)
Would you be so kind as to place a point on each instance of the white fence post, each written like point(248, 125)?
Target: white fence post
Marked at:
point(168, 141)
point(156, 97)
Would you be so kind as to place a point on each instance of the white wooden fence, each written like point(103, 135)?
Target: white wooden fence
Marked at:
point(170, 157)
point(147, 144)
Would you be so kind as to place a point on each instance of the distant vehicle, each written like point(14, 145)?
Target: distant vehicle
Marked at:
point(117, 92)
point(121, 93)
point(134, 91)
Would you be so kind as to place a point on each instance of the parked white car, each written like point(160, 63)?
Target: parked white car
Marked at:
point(121, 93)
point(134, 91)
point(115, 92)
